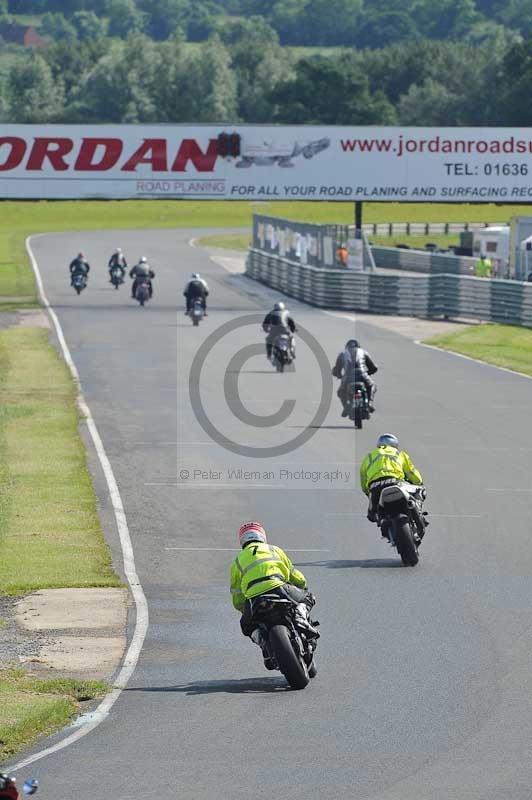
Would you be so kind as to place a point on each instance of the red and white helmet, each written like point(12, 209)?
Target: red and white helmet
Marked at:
point(251, 532)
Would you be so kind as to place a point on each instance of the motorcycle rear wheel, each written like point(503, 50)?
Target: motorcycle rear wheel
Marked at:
point(405, 544)
point(358, 418)
point(294, 671)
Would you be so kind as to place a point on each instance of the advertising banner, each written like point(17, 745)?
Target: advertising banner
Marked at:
point(252, 162)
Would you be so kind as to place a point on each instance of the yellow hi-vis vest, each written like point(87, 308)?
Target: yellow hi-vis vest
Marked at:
point(388, 462)
point(259, 568)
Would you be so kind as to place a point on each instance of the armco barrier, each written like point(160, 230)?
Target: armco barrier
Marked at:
point(433, 295)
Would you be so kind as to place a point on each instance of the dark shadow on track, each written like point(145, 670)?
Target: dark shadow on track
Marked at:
point(367, 563)
point(243, 686)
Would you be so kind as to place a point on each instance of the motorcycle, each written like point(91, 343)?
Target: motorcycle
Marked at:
point(286, 638)
point(196, 312)
point(357, 403)
point(8, 787)
point(399, 516)
point(282, 354)
point(142, 292)
point(79, 282)
point(117, 276)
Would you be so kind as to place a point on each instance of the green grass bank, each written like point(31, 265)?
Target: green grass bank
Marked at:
point(30, 707)
point(50, 534)
point(501, 345)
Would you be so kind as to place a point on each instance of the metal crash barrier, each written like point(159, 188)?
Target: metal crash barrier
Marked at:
point(423, 295)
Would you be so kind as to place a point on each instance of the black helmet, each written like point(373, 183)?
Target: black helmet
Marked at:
point(351, 343)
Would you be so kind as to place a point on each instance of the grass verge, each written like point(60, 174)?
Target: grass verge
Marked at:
point(230, 241)
point(30, 707)
point(18, 219)
point(50, 534)
point(501, 345)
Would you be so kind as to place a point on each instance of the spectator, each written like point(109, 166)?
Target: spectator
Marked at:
point(483, 267)
point(342, 255)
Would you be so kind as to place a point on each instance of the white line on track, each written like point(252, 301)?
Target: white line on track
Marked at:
point(505, 491)
point(86, 724)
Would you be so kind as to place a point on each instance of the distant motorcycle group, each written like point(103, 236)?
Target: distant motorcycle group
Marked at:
point(196, 290)
point(141, 273)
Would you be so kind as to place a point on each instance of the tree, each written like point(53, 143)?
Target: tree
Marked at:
point(288, 19)
point(58, 28)
point(125, 18)
point(32, 94)
point(259, 63)
point(89, 27)
point(512, 86)
point(120, 88)
point(380, 28)
point(164, 16)
point(430, 103)
point(71, 64)
point(333, 22)
point(394, 68)
point(331, 91)
point(215, 84)
point(446, 19)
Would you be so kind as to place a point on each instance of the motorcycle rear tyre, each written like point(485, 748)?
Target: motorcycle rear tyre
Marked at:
point(358, 419)
point(405, 543)
point(294, 671)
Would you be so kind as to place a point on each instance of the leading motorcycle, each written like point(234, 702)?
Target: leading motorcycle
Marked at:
point(401, 520)
point(79, 282)
point(8, 787)
point(289, 639)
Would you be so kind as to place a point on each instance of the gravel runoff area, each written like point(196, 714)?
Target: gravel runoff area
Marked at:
point(76, 633)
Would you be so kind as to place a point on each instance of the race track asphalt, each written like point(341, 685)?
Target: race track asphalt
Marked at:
point(424, 689)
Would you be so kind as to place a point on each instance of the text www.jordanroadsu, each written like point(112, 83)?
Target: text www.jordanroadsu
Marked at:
point(401, 146)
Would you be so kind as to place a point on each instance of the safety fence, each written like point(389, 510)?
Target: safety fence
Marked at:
point(317, 245)
point(431, 295)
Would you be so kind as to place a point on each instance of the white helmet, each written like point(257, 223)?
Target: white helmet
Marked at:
point(279, 307)
point(143, 260)
point(388, 440)
point(195, 276)
point(119, 250)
